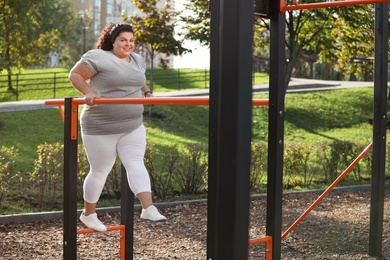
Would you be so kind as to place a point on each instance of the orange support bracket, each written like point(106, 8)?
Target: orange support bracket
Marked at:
point(268, 245)
point(298, 6)
point(74, 122)
point(121, 228)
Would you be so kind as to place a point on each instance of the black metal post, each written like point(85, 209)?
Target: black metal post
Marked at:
point(276, 128)
point(70, 183)
point(127, 214)
point(379, 129)
point(213, 132)
point(234, 126)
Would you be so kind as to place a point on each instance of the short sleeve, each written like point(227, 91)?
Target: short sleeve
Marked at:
point(89, 59)
point(139, 60)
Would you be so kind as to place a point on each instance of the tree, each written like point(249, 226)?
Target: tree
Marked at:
point(308, 32)
point(196, 20)
point(155, 30)
point(29, 30)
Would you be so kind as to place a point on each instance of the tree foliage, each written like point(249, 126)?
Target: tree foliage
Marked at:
point(155, 30)
point(29, 30)
point(328, 35)
point(196, 20)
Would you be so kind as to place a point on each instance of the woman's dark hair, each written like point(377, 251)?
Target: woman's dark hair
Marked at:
point(109, 33)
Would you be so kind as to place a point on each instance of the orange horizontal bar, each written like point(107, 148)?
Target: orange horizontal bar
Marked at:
point(284, 7)
point(89, 231)
point(260, 240)
point(169, 101)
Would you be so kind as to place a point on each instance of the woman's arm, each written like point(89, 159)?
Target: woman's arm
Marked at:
point(78, 76)
point(146, 91)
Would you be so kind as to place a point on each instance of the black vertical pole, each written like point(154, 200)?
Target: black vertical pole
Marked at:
point(234, 116)
point(379, 130)
point(70, 181)
point(213, 132)
point(127, 214)
point(276, 128)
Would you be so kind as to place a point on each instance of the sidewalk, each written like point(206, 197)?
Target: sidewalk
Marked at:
point(295, 85)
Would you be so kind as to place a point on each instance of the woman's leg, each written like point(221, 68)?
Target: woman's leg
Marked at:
point(131, 150)
point(101, 153)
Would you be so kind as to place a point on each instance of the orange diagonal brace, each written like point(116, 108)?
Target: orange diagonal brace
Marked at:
point(329, 189)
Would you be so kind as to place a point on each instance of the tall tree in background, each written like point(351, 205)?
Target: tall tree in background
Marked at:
point(196, 19)
point(29, 30)
point(335, 35)
point(155, 31)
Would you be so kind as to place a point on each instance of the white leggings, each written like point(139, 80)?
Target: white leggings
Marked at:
point(102, 151)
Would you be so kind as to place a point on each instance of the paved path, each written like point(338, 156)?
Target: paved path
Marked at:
point(296, 85)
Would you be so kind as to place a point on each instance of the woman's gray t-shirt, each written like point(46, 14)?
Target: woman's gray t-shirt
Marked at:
point(114, 78)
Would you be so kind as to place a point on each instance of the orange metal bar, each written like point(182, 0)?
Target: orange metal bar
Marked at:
point(61, 112)
point(123, 242)
point(73, 123)
point(297, 6)
point(89, 231)
point(349, 168)
point(121, 228)
point(178, 101)
point(268, 245)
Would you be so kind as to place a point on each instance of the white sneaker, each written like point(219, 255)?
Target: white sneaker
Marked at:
point(93, 222)
point(152, 213)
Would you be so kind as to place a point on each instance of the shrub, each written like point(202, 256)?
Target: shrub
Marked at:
point(258, 169)
point(7, 174)
point(47, 176)
point(161, 165)
point(191, 170)
point(296, 165)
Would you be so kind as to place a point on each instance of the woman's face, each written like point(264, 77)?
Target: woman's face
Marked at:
point(124, 45)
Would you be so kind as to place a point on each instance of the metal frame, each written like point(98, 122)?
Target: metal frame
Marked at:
point(70, 189)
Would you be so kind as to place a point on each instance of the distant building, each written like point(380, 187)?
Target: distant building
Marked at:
point(103, 11)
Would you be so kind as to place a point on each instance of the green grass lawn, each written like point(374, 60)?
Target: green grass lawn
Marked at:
point(310, 117)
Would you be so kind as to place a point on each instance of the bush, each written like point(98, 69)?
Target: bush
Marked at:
point(161, 165)
point(258, 169)
point(7, 174)
point(191, 170)
point(47, 176)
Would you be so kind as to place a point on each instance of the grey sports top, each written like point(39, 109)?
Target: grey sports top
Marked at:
point(113, 78)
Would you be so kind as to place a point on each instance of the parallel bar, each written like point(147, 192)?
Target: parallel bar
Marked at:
point(297, 6)
point(168, 101)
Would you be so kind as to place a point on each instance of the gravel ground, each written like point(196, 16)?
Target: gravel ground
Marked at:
point(338, 228)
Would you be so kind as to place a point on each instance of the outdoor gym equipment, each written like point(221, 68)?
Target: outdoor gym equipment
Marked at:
point(70, 118)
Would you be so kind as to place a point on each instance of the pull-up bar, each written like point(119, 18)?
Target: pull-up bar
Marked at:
point(298, 6)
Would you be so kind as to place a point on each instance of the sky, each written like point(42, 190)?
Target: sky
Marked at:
point(198, 58)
